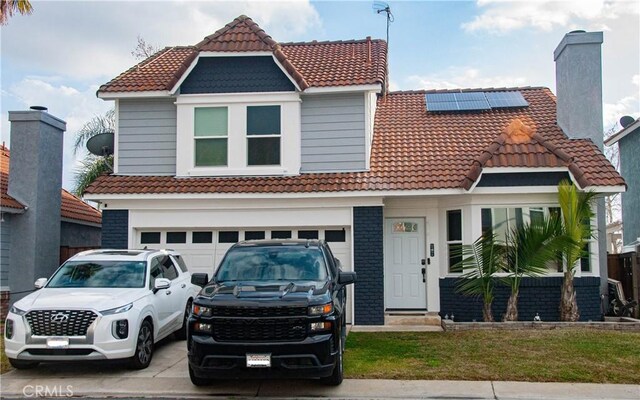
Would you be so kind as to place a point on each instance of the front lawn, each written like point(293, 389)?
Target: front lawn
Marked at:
point(541, 356)
point(4, 362)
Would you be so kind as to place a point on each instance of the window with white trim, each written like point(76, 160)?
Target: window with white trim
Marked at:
point(211, 130)
point(454, 238)
point(263, 135)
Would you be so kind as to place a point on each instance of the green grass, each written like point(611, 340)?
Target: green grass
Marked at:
point(4, 362)
point(540, 356)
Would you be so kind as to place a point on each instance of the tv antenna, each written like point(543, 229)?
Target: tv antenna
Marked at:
point(381, 7)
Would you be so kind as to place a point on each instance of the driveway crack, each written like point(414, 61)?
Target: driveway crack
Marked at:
point(493, 389)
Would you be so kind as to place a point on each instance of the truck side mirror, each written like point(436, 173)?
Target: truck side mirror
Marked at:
point(199, 279)
point(346, 278)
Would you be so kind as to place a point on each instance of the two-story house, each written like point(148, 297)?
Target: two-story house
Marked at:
point(241, 137)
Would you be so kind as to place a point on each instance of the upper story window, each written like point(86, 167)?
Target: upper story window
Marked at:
point(263, 135)
point(211, 130)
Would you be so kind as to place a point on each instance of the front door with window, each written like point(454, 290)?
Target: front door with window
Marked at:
point(404, 252)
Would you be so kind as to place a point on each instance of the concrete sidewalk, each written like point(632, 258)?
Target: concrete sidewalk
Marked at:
point(168, 377)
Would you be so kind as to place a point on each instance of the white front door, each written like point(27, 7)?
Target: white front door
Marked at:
point(404, 252)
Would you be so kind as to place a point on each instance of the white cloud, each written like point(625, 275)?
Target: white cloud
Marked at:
point(500, 16)
point(636, 80)
point(463, 77)
point(613, 111)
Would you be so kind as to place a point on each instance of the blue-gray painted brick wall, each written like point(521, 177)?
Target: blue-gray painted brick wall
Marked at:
point(537, 295)
point(79, 235)
point(115, 229)
point(5, 243)
point(369, 265)
point(333, 133)
point(236, 75)
point(147, 137)
point(630, 169)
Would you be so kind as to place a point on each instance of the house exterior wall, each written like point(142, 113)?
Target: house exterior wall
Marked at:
point(630, 168)
point(368, 258)
point(79, 235)
point(146, 137)
point(333, 133)
point(115, 229)
point(5, 247)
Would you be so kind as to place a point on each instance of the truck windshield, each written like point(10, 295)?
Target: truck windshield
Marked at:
point(268, 263)
point(99, 274)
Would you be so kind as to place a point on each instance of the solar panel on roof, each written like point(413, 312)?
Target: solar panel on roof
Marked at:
point(440, 97)
point(473, 105)
point(468, 96)
point(506, 99)
point(443, 106)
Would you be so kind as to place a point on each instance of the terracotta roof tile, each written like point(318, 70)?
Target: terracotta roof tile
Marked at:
point(310, 64)
point(416, 150)
point(71, 206)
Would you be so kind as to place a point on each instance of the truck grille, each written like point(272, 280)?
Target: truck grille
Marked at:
point(267, 330)
point(253, 312)
point(60, 322)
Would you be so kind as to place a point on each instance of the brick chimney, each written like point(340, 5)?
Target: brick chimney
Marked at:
point(35, 180)
point(579, 85)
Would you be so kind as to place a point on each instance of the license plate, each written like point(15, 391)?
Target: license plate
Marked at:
point(58, 342)
point(258, 360)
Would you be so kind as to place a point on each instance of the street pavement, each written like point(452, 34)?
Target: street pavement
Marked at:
point(167, 377)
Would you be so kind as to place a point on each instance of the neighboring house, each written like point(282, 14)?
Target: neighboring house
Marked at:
point(628, 140)
point(241, 137)
point(42, 224)
point(614, 237)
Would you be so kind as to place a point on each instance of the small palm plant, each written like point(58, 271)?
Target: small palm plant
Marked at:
point(481, 260)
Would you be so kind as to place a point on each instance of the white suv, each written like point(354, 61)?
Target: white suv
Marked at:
point(102, 304)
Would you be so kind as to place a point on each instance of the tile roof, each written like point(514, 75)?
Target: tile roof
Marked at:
point(71, 208)
point(310, 64)
point(416, 150)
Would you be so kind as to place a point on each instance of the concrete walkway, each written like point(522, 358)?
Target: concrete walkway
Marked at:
point(168, 377)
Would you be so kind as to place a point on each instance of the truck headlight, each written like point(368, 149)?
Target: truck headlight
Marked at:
point(8, 329)
point(201, 311)
point(323, 309)
point(320, 326)
point(117, 310)
point(17, 311)
point(202, 327)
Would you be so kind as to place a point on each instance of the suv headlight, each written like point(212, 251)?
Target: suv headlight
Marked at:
point(323, 309)
point(17, 311)
point(117, 310)
point(201, 311)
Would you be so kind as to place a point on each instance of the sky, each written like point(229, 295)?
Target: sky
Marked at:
point(59, 56)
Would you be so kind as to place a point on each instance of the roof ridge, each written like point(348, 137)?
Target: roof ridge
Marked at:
point(323, 42)
point(251, 24)
point(466, 90)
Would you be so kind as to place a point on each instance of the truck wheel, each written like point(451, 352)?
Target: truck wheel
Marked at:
point(338, 373)
point(181, 334)
point(23, 364)
point(144, 347)
point(197, 381)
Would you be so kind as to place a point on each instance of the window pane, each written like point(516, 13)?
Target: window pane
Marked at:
point(176, 237)
point(335, 235)
point(211, 152)
point(500, 222)
point(280, 234)
point(454, 225)
point(263, 120)
point(307, 234)
point(228, 237)
point(210, 121)
point(585, 260)
point(487, 224)
point(536, 215)
point(263, 151)
point(254, 235)
point(202, 237)
point(455, 256)
point(149, 237)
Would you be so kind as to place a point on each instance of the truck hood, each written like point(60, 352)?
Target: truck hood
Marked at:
point(74, 298)
point(301, 292)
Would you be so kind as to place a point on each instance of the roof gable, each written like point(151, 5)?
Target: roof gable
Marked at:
point(241, 34)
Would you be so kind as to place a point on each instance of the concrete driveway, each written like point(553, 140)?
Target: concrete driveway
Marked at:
point(167, 376)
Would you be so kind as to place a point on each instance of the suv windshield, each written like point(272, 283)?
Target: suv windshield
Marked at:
point(100, 274)
point(266, 263)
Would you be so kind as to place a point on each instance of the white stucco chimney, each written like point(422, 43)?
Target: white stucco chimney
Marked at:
point(579, 85)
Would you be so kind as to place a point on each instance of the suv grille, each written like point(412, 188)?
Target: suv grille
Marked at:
point(268, 330)
point(259, 311)
point(60, 322)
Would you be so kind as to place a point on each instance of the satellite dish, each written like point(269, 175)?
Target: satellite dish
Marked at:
point(626, 121)
point(101, 144)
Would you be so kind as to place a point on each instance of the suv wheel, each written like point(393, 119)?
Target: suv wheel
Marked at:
point(338, 370)
point(197, 381)
point(23, 364)
point(181, 334)
point(144, 347)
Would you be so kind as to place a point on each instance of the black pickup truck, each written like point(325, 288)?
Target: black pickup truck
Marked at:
point(274, 308)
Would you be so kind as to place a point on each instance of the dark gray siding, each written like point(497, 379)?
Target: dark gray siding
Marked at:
point(630, 168)
point(79, 235)
point(368, 262)
point(5, 240)
point(147, 137)
point(236, 75)
point(115, 229)
point(522, 179)
point(333, 133)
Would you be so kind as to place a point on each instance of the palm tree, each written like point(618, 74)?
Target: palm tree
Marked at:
point(10, 7)
point(576, 225)
point(482, 259)
point(92, 166)
point(530, 249)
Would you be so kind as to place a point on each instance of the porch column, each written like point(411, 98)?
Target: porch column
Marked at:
point(368, 225)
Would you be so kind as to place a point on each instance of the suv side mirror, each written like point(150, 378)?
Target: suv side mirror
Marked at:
point(40, 282)
point(199, 279)
point(161, 283)
point(346, 278)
